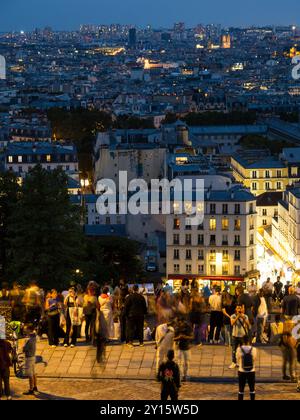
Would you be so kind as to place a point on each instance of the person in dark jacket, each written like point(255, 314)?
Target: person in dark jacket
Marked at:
point(135, 311)
point(169, 376)
point(5, 363)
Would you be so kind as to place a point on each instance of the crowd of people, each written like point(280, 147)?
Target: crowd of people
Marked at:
point(235, 316)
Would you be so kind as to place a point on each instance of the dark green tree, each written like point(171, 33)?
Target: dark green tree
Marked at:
point(47, 241)
point(9, 190)
point(112, 258)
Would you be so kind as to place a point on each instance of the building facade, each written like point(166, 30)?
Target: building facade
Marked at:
point(223, 247)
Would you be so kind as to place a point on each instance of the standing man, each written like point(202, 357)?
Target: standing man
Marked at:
point(278, 286)
point(5, 364)
point(240, 330)
point(216, 316)
point(30, 352)
point(246, 357)
point(183, 337)
point(291, 304)
point(135, 310)
point(268, 293)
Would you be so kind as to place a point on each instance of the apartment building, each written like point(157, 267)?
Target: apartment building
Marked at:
point(223, 247)
point(261, 173)
point(285, 234)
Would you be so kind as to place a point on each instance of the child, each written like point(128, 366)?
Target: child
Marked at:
point(169, 376)
point(30, 352)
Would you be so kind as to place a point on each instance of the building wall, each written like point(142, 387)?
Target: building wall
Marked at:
point(225, 257)
point(258, 181)
point(144, 163)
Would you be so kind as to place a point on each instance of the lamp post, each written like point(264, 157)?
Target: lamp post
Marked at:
point(84, 182)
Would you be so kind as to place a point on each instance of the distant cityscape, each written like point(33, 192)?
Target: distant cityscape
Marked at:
point(207, 102)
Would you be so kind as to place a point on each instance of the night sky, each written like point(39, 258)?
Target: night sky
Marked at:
point(69, 14)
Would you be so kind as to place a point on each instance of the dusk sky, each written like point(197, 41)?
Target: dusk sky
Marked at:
point(69, 14)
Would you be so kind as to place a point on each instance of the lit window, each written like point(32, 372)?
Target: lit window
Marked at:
point(212, 224)
point(48, 158)
point(10, 159)
point(20, 159)
point(225, 224)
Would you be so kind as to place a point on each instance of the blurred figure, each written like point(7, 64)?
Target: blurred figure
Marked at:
point(228, 309)
point(106, 309)
point(53, 315)
point(289, 354)
point(33, 303)
point(16, 300)
point(290, 305)
point(276, 330)
point(252, 289)
point(216, 316)
point(135, 310)
point(4, 294)
point(5, 364)
point(261, 317)
point(183, 338)
point(184, 295)
point(164, 338)
point(267, 288)
point(90, 303)
point(196, 313)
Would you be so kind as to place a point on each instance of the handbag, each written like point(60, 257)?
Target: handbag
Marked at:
point(76, 315)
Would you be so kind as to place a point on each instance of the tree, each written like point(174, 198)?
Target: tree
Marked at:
point(112, 258)
point(46, 237)
point(9, 190)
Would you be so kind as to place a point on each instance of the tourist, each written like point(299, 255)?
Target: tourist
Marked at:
point(288, 346)
point(277, 294)
point(16, 300)
point(245, 300)
point(164, 338)
point(135, 310)
point(197, 311)
point(71, 304)
point(240, 330)
point(246, 357)
point(33, 303)
point(29, 350)
point(290, 304)
point(106, 308)
point(276, 330)
point(267, 287)
point(216, 316)
point(5, 364)
point(4, 294)
point(90, 303)
point(252, 289)
point(228, 309)
point(124, 292)
point(183, 338)
point(52, 308)
point(169, 376)
point(261, 317)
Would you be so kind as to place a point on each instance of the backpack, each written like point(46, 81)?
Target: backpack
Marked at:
point(247, 360)
point(168, 375)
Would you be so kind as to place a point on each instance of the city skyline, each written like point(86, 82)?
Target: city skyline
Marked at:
point(68, 15)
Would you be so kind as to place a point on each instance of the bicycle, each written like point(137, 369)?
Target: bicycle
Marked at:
point(18, 360)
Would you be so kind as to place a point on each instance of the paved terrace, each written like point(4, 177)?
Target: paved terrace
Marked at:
point(208, 363)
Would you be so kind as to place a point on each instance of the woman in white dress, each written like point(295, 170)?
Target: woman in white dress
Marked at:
point(106, 313)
